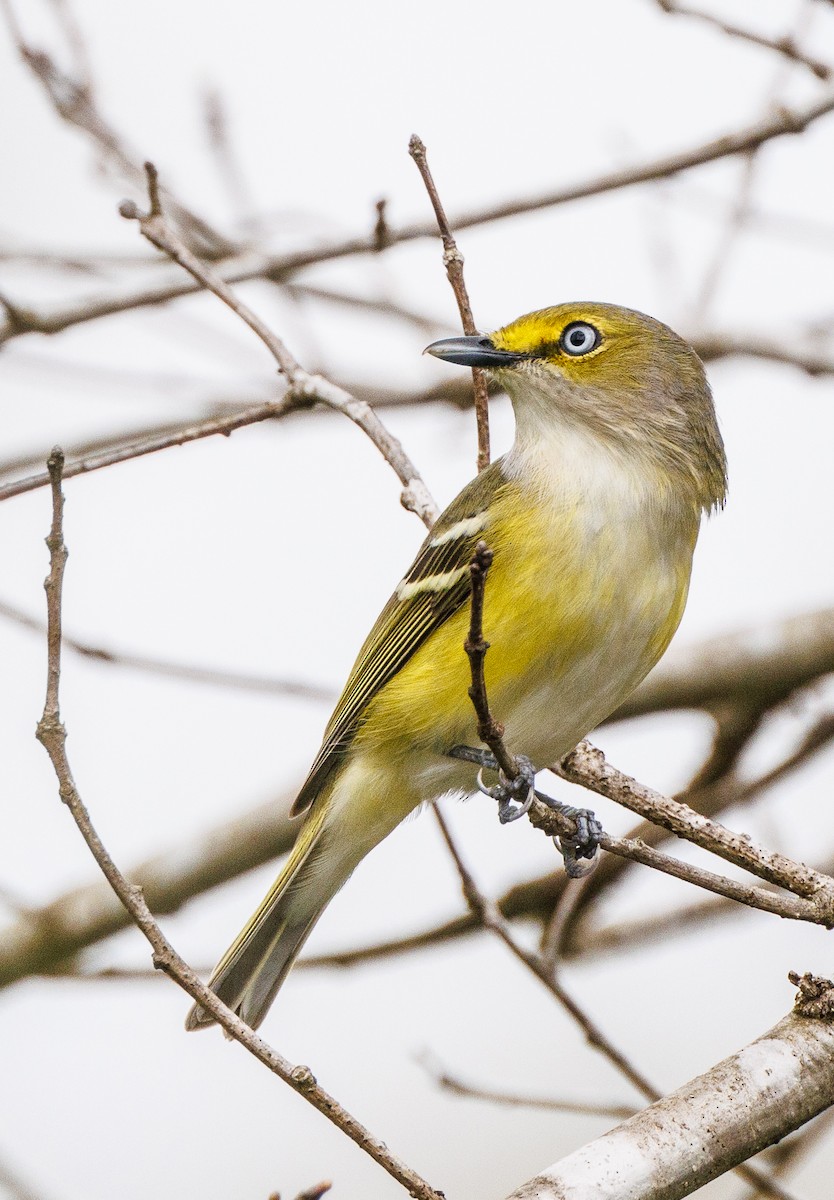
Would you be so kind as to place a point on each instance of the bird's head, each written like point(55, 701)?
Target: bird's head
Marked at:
point(613, 373)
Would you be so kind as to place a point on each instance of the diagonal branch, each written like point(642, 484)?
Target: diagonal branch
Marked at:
point(52, 734)
point(302, 385)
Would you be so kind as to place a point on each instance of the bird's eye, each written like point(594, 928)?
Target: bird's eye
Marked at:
point(579, 338)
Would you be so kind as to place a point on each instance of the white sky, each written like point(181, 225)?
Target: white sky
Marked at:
point(222, 553)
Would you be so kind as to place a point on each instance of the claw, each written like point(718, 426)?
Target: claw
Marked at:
point(514, 796)
point(580, 852)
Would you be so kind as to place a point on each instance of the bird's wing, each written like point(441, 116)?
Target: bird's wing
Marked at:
point(436, 585)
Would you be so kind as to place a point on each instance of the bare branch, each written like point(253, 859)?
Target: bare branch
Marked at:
point(216, 677)
point(311, 388)
point(453, 262)
point(279, 267)
point(136, 448)
point(489, 917)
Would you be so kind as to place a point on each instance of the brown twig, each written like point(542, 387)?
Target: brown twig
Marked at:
point(123, 451)
point(302, 385)
point(52, 735)
point(490, 731)
point(453, 262)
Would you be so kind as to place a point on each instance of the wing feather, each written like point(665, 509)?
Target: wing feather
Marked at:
point(411, 615)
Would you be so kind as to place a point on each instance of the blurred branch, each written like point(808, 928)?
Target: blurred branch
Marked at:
point(458, 1087)
point(453, 262)
point(311, 388)
point(44, 939)
point(173, 670)
point(74, 101)
point(52, 735)
point(17, 1188)
point(759, 665)
point(786, 46)
point(743, 1104)
point(713, 346)
point(277, 268)
point(122, 451)
point(225, 155)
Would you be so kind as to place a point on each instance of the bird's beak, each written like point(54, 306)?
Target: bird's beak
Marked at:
point(476, 350)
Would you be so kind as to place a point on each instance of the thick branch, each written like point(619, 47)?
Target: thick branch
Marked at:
point(718, 1120)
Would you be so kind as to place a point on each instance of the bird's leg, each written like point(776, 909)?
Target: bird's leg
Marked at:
point(514, 796)
point(580, 849)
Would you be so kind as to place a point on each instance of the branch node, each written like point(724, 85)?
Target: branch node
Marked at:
point(303, 1077)
point(382, 230)
point(815, 997)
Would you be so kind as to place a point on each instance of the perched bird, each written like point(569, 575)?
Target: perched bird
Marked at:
point(592, 518)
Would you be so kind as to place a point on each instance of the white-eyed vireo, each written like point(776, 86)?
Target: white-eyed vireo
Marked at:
point(592, 517)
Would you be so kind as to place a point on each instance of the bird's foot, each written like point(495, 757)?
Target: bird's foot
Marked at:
point(514, 796)
point(580, 849)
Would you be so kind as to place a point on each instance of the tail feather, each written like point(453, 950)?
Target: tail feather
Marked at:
point(256, 964)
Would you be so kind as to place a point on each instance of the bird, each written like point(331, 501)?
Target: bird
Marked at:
point(592, 518)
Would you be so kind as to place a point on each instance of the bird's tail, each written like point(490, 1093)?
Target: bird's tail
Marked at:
point(258, 961)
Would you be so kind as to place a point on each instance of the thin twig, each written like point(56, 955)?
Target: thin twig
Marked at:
point(490, 918)
point(123, 451)
point(453, 262)
point(52, 735)
point(459, 1087)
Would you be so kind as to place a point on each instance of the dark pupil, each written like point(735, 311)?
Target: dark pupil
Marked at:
point(577, 338)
